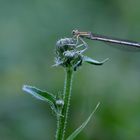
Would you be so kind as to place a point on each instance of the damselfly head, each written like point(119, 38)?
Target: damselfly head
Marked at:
point(75, 32)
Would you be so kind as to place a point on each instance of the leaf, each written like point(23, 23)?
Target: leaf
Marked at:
point(94, 62)
point(79, 129)
point(40, 94)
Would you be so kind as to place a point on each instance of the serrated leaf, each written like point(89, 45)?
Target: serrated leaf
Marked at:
point(94, 62)
point(40, 94)
point(79, 129)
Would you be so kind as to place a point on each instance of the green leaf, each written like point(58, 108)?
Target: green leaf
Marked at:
point(78, 130)
point(94, 62)
point(40, 94)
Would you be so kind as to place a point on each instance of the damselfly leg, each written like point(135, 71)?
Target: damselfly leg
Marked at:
point(80, 43)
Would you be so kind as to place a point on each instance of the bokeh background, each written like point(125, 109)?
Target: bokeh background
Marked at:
point(29, 30)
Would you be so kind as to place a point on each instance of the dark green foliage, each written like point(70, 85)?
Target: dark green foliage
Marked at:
point(55, 103)
point(92, 61)
point(79, 129)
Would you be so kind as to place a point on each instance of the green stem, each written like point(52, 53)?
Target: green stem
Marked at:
point(62, 120)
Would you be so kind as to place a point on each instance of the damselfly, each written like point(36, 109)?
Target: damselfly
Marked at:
point(92, 36)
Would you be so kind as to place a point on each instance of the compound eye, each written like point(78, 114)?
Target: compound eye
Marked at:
point(75, 32)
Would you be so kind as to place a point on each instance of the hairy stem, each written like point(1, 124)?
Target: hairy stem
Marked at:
point(62, 120)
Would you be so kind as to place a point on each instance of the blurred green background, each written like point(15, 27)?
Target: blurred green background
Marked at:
point(29, 30)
